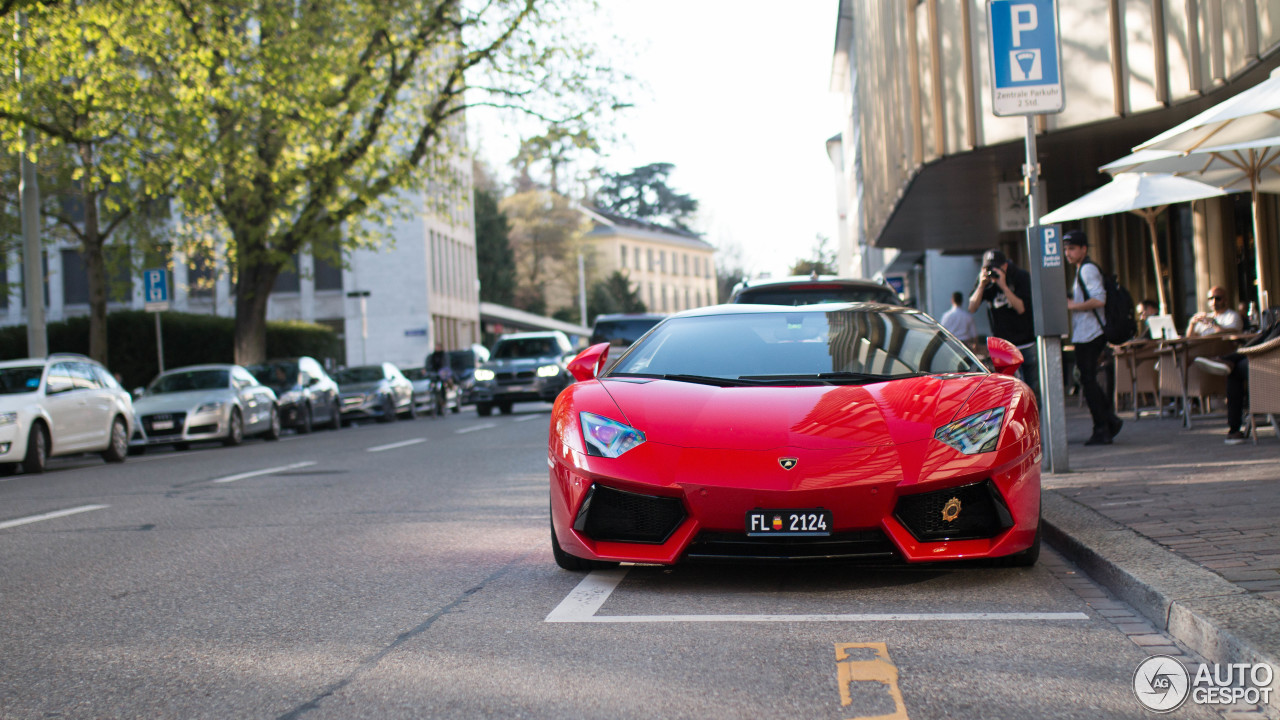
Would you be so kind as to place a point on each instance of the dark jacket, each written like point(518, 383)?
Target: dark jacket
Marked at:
point(1006, 322)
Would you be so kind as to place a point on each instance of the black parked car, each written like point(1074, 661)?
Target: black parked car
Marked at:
point(307, 395)
point(464, 364)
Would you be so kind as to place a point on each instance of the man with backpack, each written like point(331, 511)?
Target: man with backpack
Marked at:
point(1088, 299)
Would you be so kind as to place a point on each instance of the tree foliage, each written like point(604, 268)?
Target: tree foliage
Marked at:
point(822, 262)
point(495, 263)
point(614, 294)
point(644, 193)
point(280, 127)
point(546, 231)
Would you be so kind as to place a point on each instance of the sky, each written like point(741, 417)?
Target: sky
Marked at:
point(738, 100)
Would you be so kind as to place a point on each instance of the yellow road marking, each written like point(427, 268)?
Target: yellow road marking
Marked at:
point(880, 670)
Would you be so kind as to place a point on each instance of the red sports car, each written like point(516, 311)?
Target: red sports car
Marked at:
point(815, 432)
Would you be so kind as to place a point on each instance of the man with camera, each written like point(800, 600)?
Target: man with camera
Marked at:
point(1007, 290)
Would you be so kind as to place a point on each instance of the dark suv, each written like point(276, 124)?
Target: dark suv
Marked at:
point(307, 395)
point(810, 289)
point(524, 367)
point(620, 331)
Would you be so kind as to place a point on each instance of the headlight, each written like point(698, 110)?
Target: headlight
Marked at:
point(483, 375)
point(974, 434)
point(549, 371)
point(608, 438)
point(210, 407)
point(8, 418)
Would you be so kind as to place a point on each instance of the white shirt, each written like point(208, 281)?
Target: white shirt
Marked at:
point(1226, 320)
point(960, 323)
point(1085, 325)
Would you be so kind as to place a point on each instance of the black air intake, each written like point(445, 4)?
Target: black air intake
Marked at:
point(968, 512)
point(612, 515)
point(858, 545)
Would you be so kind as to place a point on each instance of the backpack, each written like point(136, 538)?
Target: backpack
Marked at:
point(1118, 324)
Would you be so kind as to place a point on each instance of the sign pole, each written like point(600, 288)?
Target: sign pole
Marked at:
point(159, 342)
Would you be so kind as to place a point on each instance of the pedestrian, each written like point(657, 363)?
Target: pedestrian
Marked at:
point(958, 321)
point(1236, 367)
point(1007, 290)
point(1146, 309)
point(1219, 319)
point(1088, 297)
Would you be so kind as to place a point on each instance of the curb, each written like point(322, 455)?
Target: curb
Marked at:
point(1222, 622)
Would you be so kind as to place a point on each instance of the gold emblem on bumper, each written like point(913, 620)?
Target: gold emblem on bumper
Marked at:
point(951, 510)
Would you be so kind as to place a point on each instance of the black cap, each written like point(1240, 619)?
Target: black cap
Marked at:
point(1076, 238)
point(993, 258)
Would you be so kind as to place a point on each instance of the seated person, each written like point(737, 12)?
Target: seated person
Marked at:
point(1146, 308)
point(1236, 367)
point(1220, 319)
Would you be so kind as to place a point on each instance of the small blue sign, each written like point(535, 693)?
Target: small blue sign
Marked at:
point(1051, 246)
point(1025, 66)
point(155, 286)
point(897, 282)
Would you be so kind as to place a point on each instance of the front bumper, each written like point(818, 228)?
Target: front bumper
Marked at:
point(519, 390)
point(179, 427)
point(355, 407)
point(13, 441)
point(863, 488)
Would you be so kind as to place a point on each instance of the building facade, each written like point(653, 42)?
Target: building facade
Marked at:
point(930, 172)
point(670, 269)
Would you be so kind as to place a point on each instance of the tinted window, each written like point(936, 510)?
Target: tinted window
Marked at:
point(16, 380)
point(279, 374)
point(622, 332)
point(188, 380)
point(822, 293)
point(360, 374)
point(524, 348)
point(83, 377)
point(801, 343)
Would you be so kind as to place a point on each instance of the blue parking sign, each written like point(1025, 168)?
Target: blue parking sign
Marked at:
point(155, 289)
point(1026, 71)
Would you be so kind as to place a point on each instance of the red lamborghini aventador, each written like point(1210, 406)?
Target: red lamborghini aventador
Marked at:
point(824, 431)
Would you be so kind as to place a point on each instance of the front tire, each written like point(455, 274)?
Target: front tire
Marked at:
point(273, 428)
point(388, 410)
point(235, 429)
point(118, 450)
point(484, 409)
point(335, 417)
point(305, 420)
point(37, 450)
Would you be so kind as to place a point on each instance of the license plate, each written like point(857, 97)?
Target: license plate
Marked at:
point(162, 425)
point(788, 523)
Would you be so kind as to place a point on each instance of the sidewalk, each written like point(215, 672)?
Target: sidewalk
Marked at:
point(1181, 526)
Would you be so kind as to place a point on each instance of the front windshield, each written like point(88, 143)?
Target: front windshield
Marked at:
point(188, 380)
point(415, 373)
point(359, 374)
point(461, 360)
point(834, 346)
point(524, 348)
point(278, 373)
point(18, 380)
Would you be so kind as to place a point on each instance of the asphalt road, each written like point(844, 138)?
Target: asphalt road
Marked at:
point(404, 571)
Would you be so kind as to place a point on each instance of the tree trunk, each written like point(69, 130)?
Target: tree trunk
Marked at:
point(253, 288)
point(94, 263)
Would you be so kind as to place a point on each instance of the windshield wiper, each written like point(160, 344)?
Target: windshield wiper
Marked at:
point(698, 379)
point(828, 378)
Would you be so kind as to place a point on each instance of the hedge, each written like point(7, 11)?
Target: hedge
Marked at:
point(189, 339)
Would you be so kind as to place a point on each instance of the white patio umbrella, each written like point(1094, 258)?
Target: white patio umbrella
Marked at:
point(1248, 165)
point(1246, 117)
point(1143, 194)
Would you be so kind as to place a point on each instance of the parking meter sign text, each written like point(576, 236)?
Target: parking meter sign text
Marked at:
point(1025, 68)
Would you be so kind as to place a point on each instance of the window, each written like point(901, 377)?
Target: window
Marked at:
point(651, 260)
point(624, 255)
point(637, 263)
point(327, 264)
point(75, 275)
point(201, 275)
point(686, 264)
point(288, 280)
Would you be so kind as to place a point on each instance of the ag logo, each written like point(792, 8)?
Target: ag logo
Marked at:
point(1161, 683)
point(788, 462)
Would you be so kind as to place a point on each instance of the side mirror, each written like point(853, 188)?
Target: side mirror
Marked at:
point(137, 393)
point(1005, 356)
point(588, 362)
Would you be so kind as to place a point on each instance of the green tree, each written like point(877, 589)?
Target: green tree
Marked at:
point(614, 294)
point(82, 89)
point(546, 231)
point(822, 262)
point(644, 193)
point(495, 263)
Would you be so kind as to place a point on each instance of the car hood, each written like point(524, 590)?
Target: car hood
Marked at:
point(518, 364)
point(824, 417)
point(364, 387)
point(179, 402)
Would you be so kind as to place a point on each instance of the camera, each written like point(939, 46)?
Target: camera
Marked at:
point(989, 273)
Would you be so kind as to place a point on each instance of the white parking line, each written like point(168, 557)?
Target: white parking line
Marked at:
point(393, 446)
point(581, 604)
point(267, 471)
point(50, 515)
point(473, 428)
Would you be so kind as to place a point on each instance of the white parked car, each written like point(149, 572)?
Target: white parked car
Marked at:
point(60, 405)
point(204, 402)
